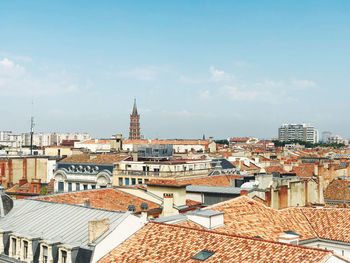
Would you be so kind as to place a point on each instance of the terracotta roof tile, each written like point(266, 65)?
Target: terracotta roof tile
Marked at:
point(108, 198)
point(166, 182)
point(214, 180)
point(96, 158)
point(246, 217)
point(338, 190)
point(157, 242)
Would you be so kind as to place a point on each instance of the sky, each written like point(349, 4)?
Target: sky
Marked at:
point(218, 68)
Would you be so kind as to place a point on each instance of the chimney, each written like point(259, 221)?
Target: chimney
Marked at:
point(134, 157)
point(316, 169)
point(168, 202)
point(244, 192)
point(144, 207)
point(22, 181)
point(87, 202)
point(97, 228)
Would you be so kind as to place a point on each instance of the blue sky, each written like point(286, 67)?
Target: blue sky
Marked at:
point(219, 68)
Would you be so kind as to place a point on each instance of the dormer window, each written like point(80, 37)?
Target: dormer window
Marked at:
point(25, 249)
point(63, 257)
point(14, 246)
point(45, 254)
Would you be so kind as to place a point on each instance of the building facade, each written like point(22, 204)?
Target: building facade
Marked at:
point(301, 132)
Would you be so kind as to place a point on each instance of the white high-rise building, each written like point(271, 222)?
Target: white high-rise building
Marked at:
point(301, 132)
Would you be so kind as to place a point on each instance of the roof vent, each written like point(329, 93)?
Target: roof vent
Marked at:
point(203, 255)
point(144, 206)
point(131, 208)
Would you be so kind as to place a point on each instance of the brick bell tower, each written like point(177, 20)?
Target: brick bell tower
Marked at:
point(134, 133)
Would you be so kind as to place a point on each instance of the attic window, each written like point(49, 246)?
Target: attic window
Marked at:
point(203, 255)
point(257, 237)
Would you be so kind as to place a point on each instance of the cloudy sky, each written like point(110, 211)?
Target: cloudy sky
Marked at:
point(219, 68)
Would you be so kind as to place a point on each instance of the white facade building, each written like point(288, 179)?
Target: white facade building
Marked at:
point(302, 132)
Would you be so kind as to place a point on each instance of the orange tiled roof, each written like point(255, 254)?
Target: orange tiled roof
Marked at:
point(174, 142)
point(338, 190)
point(190, 202)
point(158, 242)
point(166, 182)
point(93, 141)
point(214, 180)
point(97, 159)
point(246, 217)
point(109, 198)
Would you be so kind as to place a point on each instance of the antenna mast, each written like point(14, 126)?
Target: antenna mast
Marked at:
point(31, 131)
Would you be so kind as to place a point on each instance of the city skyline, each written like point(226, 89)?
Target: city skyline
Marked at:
point(220, 69)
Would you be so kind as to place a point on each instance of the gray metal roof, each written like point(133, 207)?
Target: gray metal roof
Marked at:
point(64, 223)
point(205, 213)
point(170, 218)
point(213, 189)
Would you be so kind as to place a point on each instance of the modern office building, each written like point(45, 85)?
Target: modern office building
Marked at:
point(302, 132)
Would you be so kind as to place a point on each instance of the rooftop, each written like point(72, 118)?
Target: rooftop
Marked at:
point(94, 158)
point(107, 198)
point(157, 242)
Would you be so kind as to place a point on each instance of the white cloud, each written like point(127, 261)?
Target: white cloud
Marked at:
point(204, 95)
point(219, 75)
point(303, 84)
point(15, 80)
point(236, 93)
point(146, 74)
point(7, 63)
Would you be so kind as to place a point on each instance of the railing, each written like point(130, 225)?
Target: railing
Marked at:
point(163, 173)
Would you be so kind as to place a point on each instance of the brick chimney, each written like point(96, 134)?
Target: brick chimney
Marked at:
point(244, 192)
point(97, 228)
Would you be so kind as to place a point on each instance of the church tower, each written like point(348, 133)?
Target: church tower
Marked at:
point(134, 133)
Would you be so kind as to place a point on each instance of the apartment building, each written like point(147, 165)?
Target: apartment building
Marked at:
point(302, 132)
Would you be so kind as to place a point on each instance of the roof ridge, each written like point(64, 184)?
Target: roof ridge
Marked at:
point(243, 237)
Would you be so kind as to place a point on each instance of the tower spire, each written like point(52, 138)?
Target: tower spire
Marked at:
point(134, 109)
point(134, 132)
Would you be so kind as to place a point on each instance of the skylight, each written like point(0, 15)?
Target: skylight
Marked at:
point(203, 255)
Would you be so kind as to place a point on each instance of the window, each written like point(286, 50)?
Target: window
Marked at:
point(103, 186)
point(60, 186)
point(85, 186)
point(93, 186)
point(127, 181)
point(77, 187)
point(133, 181)
point(203, 255)
point(63, 256)
point(45, 254)
point(14, 246)
point(139, 181)
point(146, 180)
point(120, 180)
point(25, 249)
point(69, 187)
